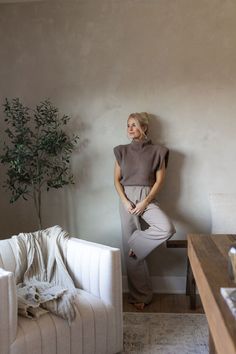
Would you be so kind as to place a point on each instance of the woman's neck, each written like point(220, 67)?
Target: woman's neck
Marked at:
point(139, 139)
point(140, 143)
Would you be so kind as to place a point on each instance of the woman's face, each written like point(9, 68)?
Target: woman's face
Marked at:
point(133, 130)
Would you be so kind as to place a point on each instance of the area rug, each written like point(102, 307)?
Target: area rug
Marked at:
point(165, 333)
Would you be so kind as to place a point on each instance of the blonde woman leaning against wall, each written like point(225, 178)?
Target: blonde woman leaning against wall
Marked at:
point(139, 173)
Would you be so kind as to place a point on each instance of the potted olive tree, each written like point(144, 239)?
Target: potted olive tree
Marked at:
point(36, 152)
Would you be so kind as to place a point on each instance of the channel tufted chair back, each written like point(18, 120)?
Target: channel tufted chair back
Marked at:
point(223, 213)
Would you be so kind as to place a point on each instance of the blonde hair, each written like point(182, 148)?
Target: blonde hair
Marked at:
point(142, 120)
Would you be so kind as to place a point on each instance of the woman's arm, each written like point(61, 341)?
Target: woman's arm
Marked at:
point(120, 190)
point(141, 206)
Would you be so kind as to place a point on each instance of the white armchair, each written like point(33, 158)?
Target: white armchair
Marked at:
point(96, 271)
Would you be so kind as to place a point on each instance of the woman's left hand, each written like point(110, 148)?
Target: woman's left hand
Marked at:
point(139, 208)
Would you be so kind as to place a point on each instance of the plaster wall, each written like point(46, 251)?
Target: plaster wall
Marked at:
point(100, 60)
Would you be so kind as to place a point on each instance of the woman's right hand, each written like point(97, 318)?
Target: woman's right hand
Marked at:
point(129, 206)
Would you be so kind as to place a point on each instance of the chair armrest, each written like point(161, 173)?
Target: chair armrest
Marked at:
point(8, 310)
point(97, 269)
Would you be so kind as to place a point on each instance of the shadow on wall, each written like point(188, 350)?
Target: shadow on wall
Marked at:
point(81, 171)
point(170, 201)
point(170, 194)
point(60, 207)
point(155, 130)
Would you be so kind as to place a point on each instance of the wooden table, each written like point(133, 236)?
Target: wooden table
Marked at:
point(208, 258)
point(190, 281)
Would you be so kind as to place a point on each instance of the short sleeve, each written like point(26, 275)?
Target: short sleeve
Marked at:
point(164, 157)
point(118, 155)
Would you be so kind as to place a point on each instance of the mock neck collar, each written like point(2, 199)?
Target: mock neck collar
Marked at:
point(138, 144)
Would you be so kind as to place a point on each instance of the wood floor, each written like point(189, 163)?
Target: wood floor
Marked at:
point(172, 303)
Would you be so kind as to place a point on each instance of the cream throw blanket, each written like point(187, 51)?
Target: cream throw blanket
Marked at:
point(46, 285)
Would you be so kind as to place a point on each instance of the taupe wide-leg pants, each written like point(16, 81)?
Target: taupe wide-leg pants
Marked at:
point(142, 242)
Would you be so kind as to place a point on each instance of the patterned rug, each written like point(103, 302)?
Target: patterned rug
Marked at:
point(165, 333)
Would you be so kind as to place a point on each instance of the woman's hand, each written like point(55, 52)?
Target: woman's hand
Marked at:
point(139, 208)
point(129, 206)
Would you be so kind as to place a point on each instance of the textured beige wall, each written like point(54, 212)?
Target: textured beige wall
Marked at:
point(100, 60)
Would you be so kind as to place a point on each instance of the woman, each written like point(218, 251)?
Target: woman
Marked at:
point(139, 173)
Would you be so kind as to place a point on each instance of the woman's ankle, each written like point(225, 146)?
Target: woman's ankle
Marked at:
point(131, 253)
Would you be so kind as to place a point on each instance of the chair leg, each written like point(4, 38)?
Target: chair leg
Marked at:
point(191, 286)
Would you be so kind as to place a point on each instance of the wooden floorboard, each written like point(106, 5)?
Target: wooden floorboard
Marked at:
point(171, 303)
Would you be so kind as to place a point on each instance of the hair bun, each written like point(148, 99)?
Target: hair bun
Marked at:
point(145, 117)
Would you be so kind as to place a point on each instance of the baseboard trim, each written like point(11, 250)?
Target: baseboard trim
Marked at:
point(163, 285)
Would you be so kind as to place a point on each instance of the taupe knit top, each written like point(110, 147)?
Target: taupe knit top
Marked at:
point(139, 162)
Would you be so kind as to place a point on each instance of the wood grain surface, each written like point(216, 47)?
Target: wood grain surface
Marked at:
point(208, 255)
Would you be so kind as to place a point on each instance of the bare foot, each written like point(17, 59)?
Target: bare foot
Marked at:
point(131, 253)
point(139, 306)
